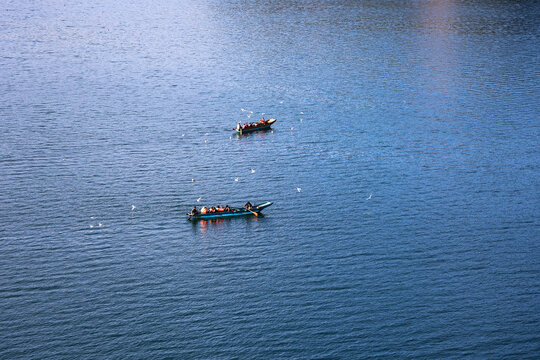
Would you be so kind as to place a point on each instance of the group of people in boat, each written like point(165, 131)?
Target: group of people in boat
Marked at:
point(218, 209)
point(250, 125)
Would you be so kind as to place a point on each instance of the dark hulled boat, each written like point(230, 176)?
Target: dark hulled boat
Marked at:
point(255, 210)
point(259, 126)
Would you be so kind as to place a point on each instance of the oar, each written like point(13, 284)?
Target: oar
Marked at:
point(253, 212)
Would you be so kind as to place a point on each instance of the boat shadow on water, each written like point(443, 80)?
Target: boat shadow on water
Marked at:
point(219, 223)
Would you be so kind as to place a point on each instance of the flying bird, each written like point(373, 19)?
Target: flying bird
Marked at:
point(369, 197)
point(236, 179)
point(199, 199)
point(298, 189)
point(252, 171)
point(133, 207)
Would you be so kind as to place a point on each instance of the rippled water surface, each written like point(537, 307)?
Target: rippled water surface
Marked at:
point(403, 168)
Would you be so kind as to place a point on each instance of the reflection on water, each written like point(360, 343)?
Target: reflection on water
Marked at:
point(219, 223)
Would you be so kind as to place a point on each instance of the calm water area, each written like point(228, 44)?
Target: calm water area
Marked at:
point(404, 169)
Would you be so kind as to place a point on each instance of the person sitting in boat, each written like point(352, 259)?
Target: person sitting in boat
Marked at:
point(219, 208)
point(227, 208)
point(263, 121)
point(204, 210)
point(238, 126)
point(194, 211)
point(248, 206)
point(213, 209)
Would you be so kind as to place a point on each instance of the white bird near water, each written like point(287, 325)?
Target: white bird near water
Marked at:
point(252, 171)
point(206, 141)
point(91, 226)
point(298, 189)
point(199, 199)
point(192, 180)
point(183, 135)
point(100, 225)
point(236, 179)
point(133, 207)
point(369, 197)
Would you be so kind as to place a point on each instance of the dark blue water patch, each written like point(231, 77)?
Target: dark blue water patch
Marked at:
point(403, 170)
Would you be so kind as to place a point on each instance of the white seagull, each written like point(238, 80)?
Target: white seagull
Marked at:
point(199, 199)
point(133, 207)
point(369, 197)
point(298, 189)
point(236, 179)
point(252, 171)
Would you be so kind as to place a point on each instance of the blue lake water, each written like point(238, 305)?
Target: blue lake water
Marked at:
point(411, 129)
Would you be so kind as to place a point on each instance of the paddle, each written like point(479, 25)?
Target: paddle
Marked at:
point(253, 212)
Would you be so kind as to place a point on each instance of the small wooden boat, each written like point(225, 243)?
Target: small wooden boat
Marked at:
point(255, 210)
point(258, 126)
